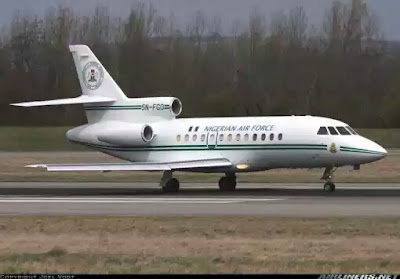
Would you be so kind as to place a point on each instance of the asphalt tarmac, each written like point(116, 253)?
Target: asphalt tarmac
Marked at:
point(200, 199)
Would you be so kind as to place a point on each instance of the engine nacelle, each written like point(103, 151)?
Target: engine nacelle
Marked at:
point(127, 135)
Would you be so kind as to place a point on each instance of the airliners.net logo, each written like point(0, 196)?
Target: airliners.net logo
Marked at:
point(357, 276)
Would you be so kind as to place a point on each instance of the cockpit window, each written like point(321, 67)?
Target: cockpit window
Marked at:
point(332, 130)
point(322, 131)
point(351, 130)
point(343, 131)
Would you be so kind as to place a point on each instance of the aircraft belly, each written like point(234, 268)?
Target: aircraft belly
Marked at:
point(256, 159)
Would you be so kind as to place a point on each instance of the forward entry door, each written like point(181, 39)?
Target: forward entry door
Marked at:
point(212, 140)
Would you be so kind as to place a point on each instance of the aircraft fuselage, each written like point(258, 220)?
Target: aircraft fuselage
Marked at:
point(250, 143)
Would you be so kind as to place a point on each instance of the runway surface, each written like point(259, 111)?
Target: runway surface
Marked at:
point(200, 199)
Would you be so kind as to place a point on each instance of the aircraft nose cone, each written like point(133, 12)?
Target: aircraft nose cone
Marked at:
point(379, 150)
point(384, 152)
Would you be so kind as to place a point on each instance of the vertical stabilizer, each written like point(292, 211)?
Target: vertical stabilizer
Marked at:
point(103, 100)
point(93, 77)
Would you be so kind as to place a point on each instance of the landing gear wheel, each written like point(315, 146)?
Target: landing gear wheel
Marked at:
point(172, 186)
point(227, 184)
point(328, 177)
point(329, 187)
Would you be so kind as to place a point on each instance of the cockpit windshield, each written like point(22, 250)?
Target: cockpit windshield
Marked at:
point(323, 131)
point(338, 130)
point(343, 131)
point(332, 130)
point(351, 130)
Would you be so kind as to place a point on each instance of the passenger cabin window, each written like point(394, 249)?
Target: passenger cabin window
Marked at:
point(263, 136)
point(280, 137)
point(237, 137)
point(203, 137)
point(271, 137)
point(221, 137)
point(254, 137)
point(230, 137)
point(343, 131)
point(333, 131)
point(351, 130)
point(178, 138)
point(186, 137)
point(194, 138)
point(246, 137)
point(323, 131)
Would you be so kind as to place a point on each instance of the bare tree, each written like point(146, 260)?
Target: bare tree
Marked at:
point(215, 25)
point(257, 28)
point(297, 26)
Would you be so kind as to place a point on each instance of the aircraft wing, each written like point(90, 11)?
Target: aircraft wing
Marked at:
point(144, 166)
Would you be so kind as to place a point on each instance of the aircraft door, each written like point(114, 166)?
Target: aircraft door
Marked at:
point(212, 140)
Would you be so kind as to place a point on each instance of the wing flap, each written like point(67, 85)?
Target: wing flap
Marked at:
point(84, 99)
point(145, 166)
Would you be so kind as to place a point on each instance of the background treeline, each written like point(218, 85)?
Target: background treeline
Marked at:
point(275, 65)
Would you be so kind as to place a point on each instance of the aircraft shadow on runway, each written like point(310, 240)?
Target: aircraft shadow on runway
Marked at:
point(198, 192)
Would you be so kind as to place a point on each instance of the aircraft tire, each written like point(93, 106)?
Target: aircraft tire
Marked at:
point(329, 187)
point(172, 186)
point(227, 184)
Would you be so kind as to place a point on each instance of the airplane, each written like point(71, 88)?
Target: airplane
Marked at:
point(149, 136)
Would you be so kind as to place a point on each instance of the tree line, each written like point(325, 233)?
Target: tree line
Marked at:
point(270, 65)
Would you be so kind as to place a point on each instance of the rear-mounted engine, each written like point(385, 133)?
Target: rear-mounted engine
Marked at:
point(127, 135)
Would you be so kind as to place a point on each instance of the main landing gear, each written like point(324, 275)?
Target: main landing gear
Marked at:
point(227, 183)
point(329, 186)
point(169, 184)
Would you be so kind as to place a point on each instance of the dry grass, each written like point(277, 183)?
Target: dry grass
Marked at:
point(198, 245)
point(12, 169)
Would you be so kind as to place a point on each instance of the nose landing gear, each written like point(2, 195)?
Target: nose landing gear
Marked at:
point(329, 186)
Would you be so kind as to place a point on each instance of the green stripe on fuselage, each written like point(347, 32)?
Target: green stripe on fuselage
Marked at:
point(131, 107)
point(357, 150)
point(136, 107)
point(210, 147)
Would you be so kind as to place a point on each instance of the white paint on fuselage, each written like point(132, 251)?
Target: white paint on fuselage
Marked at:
point(300, 146)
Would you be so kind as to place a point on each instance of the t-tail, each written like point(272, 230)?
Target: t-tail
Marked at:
point(103, 99)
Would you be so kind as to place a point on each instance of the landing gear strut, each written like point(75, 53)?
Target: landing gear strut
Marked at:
point(169, 184)
point(227, 183)
point(329, 186)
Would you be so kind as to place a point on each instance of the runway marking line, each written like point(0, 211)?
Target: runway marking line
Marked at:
point(134, 200)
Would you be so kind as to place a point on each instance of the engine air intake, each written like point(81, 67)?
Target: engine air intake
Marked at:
point(147, 133)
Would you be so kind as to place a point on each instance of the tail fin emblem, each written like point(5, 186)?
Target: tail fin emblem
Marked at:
point(92, 75)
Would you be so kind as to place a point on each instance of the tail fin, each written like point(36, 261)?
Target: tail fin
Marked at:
point(93, 77)
point(102, 98)
point(98, 87)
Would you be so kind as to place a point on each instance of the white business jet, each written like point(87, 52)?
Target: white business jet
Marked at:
point(147, 134)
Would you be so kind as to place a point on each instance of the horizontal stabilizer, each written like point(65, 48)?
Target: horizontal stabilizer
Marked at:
point(84, 99)
point(143, 166)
